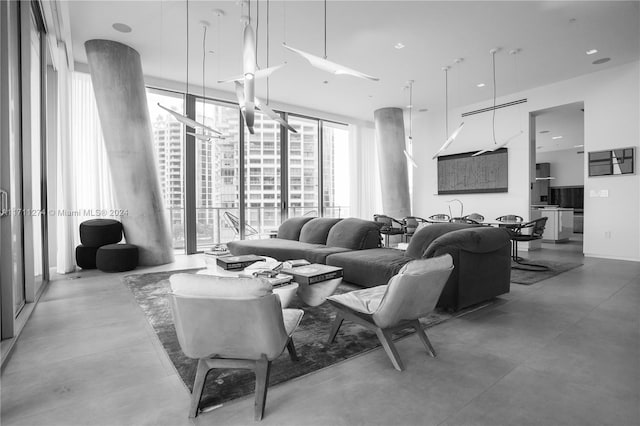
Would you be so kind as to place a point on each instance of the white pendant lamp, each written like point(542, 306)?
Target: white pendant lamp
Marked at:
point(326, 65)
point(410, 140)
point(456, 132)
point(183, 118)
point(496, 145)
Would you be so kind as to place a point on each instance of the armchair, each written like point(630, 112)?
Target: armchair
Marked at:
point(409, 295)
point(231, 323)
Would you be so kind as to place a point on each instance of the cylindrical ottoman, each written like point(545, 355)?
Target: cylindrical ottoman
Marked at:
point(117, 257)
point(100, 232)
point(86, 256)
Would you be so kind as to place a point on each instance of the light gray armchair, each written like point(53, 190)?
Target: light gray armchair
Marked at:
point(231, 323)
point(408, 296)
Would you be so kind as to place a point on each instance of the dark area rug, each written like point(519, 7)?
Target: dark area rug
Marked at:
point(150, 292)
point(528, 277)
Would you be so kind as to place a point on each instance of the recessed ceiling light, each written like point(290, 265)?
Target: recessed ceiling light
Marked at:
point(120, 27)
point(480, 84)
point(601, 61)
point(423, 110)
point(398, 45)
point(592, 51)
point(538, 147)
point(556, 137)
point(544, 131)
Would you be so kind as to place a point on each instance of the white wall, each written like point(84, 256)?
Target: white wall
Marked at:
point(612, 107)
point(566, 166)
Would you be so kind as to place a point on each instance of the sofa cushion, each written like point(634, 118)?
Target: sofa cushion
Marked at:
point(354, 234)
point(369, 268)
point(423, 238)
point(316, 230)
point(290, 228)
point(319, 254)
point(277, 248)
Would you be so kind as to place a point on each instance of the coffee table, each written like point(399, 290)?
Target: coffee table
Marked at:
point(285, 292)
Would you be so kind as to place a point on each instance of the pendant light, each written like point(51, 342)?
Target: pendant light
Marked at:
point(456, 132)
point(250, 72)
point(326, 65)
point(410, 140)
point(183, 118)
point(264, 107)
point(203, 136)
point(496, 145)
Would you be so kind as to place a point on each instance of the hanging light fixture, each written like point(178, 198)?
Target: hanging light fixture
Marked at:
point(326, 65)
point(250, 72)
point(410, 140)
point(203, 136)
point(454, 135)
point(183, 118)
point(496, 145)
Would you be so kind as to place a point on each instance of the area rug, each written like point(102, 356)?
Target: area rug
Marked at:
point(150, 292)
point(528, 277)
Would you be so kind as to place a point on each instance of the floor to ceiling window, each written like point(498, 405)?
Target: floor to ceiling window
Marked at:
point(217, 169)
point(168, 139)
point(335, 170)
point(262, 177)
point(303, 186)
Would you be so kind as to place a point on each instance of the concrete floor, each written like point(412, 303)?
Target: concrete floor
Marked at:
point(564, 351)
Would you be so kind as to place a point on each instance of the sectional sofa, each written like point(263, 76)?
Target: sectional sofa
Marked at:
point(481, 254)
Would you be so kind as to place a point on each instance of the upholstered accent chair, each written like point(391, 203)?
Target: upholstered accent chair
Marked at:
point(231, 323)
point(408, 296)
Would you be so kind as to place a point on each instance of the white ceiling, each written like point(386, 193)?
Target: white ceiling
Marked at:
point(565, 123)
point(553, 37)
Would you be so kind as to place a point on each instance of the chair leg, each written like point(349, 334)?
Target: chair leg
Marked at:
point(291, 348)
point(198, 385)
point(263, 366)
point(335, 327)
point(423, 336)
point(387, 343)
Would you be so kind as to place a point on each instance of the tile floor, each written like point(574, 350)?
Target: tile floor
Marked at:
point(565, 351)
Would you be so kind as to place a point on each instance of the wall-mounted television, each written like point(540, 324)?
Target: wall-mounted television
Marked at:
point(464, 174)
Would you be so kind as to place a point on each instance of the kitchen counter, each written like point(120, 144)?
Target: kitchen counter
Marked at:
point(559, 226)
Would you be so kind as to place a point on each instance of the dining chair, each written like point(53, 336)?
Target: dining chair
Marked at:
point(464, 220)
point(475, 216)
point(410, 226)
point(409, 295)
point(235, 323)
point(533, 230)
point(387, 226)
point(510, 218)
point(439, 218)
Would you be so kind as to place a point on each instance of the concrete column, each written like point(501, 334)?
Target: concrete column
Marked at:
point(394, 179)
point(118, 83)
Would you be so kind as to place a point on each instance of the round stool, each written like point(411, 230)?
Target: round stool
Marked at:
point(86, 256)
point(117, 257)
point(100, 232)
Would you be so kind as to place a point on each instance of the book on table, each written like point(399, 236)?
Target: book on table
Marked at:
point(276, 280)
point(313, 273)
point(237, 262)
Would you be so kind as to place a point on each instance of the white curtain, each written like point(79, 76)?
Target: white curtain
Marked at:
point(84, 178)
point(366, 197)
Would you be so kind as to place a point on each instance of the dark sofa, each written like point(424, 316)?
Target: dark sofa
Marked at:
point(481, 255)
